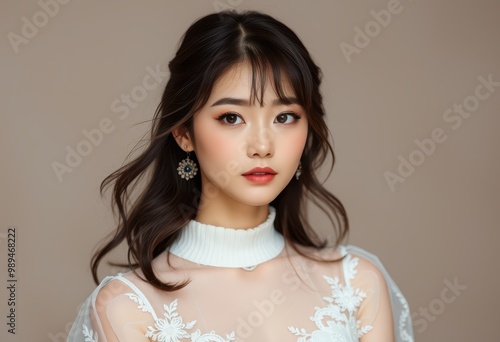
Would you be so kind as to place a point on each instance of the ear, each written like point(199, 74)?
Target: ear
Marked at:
point(183, 139)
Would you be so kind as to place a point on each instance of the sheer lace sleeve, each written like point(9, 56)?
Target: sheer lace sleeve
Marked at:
point(383, 309)
point(111, 314)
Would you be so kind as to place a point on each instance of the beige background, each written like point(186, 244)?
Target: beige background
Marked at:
point(440, 225)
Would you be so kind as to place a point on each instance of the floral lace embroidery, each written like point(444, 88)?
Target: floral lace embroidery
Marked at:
point(172, 329)
point(403, 318)
point(341, 310)
point(339, 314)
point(138, 300)
point(89, 334)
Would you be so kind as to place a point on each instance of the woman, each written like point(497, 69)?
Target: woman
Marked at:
point(219, 248)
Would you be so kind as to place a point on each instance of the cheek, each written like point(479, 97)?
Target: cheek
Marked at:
point(214, 149)
point(298, 147)
point(294, 143)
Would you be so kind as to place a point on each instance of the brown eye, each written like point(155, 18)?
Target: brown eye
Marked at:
point(230, 119)
point(287, 118)
point(282, 118)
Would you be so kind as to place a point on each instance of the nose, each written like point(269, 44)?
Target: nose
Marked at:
point(260, 144)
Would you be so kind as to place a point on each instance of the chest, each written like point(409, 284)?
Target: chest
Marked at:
point(261, 305)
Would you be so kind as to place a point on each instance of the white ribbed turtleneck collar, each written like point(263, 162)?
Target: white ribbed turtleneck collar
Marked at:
point(228, 247)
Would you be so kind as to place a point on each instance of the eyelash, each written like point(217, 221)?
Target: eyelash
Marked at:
point(225, 115)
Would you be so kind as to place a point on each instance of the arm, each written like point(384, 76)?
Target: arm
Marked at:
point(109, 315)
point(376, 310)
point(385, 308)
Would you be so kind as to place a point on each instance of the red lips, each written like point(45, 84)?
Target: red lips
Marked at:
point(260, 171)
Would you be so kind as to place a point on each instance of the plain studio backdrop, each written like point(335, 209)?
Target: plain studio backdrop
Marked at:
point(412, 93)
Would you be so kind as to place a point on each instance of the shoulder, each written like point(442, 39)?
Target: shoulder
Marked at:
point(112, 288)
point(358, 259)
point(354, 263)
point(127, 290)
point(359, 267)
point(121, 291)
point(351, 256)
point(364, 270)
point(371, 276)
point(114, 311)
point(121, 299)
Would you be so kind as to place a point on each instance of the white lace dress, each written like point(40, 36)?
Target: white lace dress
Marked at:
point(244, 287)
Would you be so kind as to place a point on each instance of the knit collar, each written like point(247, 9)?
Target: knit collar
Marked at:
point(228, 247)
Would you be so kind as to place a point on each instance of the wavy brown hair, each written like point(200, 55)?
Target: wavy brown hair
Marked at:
point(210, 46)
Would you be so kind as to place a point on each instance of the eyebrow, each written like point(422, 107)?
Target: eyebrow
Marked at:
point(243, 102)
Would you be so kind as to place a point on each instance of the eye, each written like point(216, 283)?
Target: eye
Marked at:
point(230, 119)
point(287, 118)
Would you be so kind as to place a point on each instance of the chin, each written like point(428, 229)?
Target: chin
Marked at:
point(255, 199)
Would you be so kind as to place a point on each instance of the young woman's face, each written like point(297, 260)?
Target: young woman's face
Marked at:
point(233, 137)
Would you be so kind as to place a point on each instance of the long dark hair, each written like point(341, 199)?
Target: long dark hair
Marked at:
point(210, 46)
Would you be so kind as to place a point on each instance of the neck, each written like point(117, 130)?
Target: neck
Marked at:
point(227, 247)
point(234, 215)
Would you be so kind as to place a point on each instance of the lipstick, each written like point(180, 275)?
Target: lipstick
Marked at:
point(260, 175)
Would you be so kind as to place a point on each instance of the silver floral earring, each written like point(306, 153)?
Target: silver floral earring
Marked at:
point(299, 171)
point(187, 168)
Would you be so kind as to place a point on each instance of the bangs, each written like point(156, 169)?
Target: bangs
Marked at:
point(279, 73)
point(287, 81)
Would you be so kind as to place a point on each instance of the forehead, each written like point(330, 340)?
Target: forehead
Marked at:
point(240, 81)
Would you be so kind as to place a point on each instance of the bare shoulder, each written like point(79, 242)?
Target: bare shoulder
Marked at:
point(366, 264)
point(114, 287)
point(365, 268)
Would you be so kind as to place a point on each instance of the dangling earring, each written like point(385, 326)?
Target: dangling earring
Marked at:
point(299, 170)
point(187, 168)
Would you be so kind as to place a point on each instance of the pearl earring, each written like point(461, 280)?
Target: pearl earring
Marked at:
point(299, 171)
point(187, 168)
